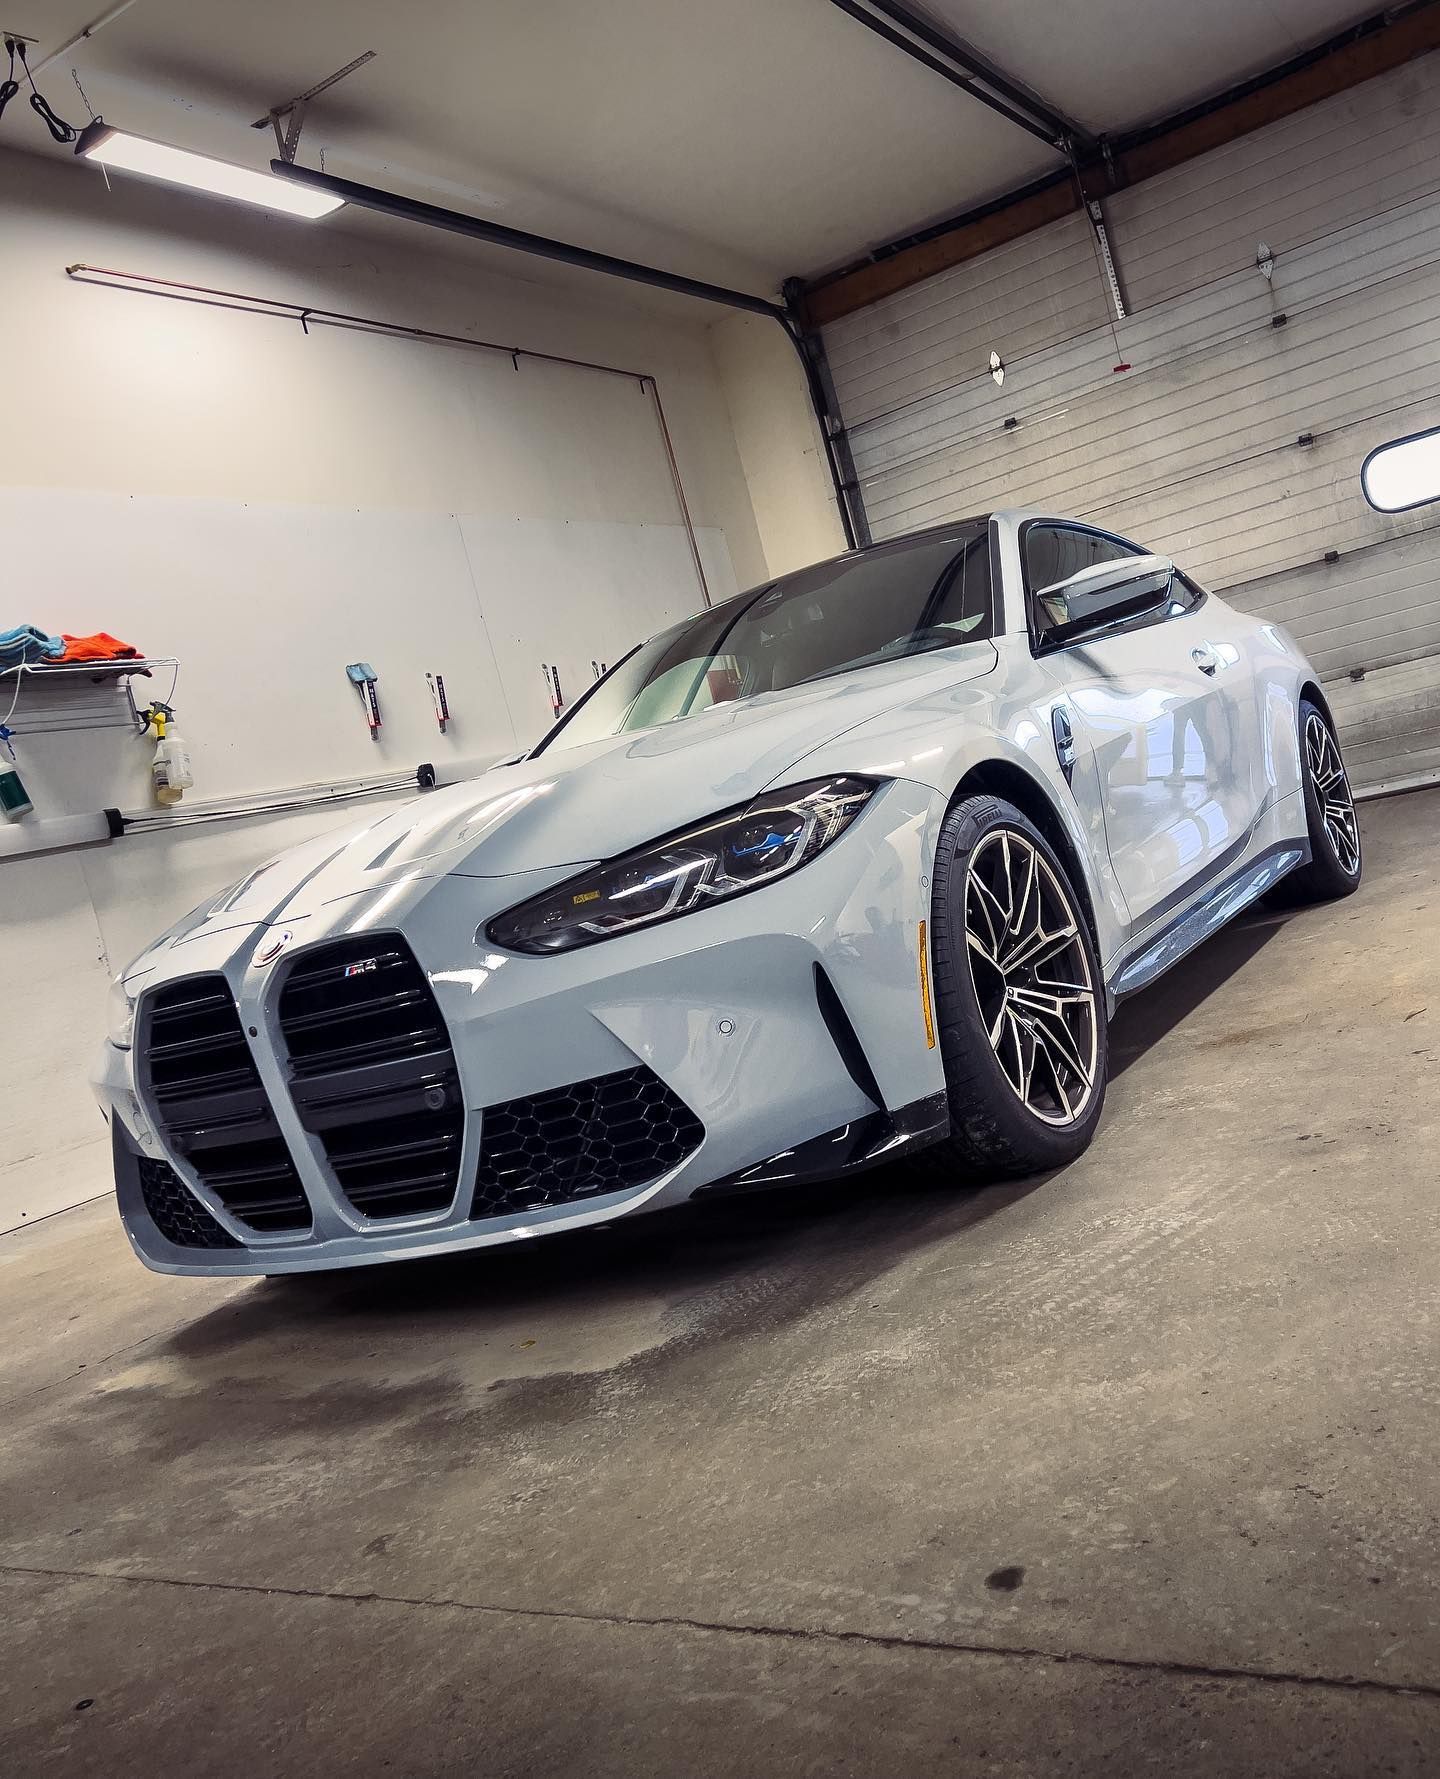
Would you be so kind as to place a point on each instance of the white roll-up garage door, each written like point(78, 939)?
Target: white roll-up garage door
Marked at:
point(1234, 438)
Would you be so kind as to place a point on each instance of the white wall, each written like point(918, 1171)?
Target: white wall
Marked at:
point(779, 443)
point(141, 395)
point(240, 490)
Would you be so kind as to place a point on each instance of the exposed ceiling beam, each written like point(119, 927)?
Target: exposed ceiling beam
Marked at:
point(995, 77)
point(1374, 47)
point(478, 228)
point(956, 67)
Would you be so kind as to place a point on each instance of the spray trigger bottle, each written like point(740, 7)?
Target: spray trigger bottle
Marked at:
point(170, 772)
point(14, 799)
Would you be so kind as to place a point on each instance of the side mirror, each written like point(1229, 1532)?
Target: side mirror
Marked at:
point(1404, 473)
point(1103, 594)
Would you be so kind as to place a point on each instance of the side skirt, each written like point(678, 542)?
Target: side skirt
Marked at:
point(1227, 899)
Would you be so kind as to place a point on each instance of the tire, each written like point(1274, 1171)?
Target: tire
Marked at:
point(995, 1131)
point(1335, 863)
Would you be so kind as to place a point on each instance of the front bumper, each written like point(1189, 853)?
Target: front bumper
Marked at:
point(724, 1010)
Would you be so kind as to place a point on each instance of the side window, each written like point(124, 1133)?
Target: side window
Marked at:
point(965, 602)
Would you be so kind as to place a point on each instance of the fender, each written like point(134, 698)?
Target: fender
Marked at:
point(951, 737)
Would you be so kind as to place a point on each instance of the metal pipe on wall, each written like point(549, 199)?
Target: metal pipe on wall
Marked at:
point(838, 461)
point(820, 386)
point(654, 388)
point(63, 833)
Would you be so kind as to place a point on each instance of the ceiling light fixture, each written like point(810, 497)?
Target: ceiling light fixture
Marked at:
point(110, 147)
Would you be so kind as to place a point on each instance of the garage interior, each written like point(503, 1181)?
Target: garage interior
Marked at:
point(626, 309)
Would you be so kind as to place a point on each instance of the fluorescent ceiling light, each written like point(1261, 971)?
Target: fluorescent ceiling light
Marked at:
point(157, 160)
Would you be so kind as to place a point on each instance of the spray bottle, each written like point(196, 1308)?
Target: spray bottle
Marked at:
point(170, 772)
point(14, 799)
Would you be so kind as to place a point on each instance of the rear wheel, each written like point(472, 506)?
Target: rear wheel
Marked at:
point(1019, 993)
point(1335, 862)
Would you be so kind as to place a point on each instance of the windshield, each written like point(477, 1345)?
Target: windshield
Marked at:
point(894, 600)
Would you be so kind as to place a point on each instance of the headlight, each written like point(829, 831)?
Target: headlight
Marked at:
point(120, 1013)
point(741, 850)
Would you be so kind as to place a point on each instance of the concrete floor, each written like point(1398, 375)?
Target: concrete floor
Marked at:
point(1135, 1468)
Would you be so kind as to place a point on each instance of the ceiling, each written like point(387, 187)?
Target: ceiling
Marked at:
point(735, 140)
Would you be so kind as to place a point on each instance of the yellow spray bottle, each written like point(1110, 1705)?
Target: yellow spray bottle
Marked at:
point(170, 772)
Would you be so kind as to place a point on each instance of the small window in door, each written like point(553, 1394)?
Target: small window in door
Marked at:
point(1185, 595)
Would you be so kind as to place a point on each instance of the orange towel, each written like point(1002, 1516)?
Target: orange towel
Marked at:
point(99, 647)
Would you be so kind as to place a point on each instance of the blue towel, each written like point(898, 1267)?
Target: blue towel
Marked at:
point(26, 643)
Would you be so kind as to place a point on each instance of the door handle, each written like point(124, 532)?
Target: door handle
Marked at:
point(1205, 658)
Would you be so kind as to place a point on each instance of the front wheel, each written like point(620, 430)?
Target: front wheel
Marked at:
point(1019, 994)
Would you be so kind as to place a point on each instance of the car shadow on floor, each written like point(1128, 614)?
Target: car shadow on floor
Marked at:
point(813, 1242)
point(1143, 1020)
point(823, 1240)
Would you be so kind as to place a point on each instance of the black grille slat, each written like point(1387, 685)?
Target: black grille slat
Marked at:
point(390, 1197)
point(212, 1003)
point(263, 1213)
point(175, 1211)
point(609, 1134)
point(387, 1048)
point(373, 1074)
point(217, 1118)
point(176, 1040)
point(383, 1154)
point(216, 1087)
point(212, 1108)
point(329, 1017)
point(259, 1173)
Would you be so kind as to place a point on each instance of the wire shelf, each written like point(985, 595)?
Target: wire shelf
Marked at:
point(56, 697)
point(94, 669)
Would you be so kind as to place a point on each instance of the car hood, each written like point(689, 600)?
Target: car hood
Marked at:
point(571, 806)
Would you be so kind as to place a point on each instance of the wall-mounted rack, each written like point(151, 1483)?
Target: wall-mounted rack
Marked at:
point(51, 698)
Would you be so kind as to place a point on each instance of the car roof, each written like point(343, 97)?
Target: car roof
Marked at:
point(1011, 517)
point(951, 527)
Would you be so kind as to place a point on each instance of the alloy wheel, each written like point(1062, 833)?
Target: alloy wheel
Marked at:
point(1032, 976)
point(1337, 806)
